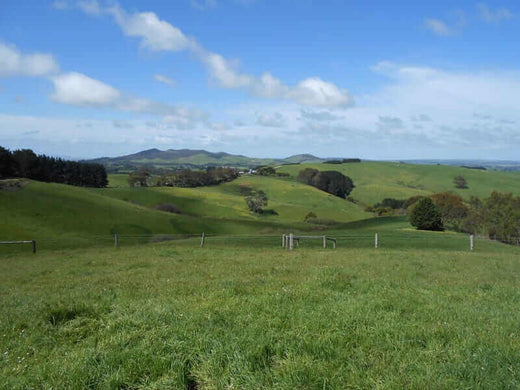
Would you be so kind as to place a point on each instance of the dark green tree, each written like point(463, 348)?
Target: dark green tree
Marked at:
point(460, 182)
point(7, 164)
point(426, 216)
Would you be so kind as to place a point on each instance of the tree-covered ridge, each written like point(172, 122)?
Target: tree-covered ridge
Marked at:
point(25, 163)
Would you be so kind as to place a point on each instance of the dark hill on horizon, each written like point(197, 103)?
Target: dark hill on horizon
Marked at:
point(189, 158)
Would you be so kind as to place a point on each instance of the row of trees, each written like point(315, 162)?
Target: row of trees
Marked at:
point(25, 163)
point(333, 182)
point(497, 216)
point(184, 178)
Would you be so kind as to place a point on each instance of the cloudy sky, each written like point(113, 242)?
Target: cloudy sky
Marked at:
point(370, 79)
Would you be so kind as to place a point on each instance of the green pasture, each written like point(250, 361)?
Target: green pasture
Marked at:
point(375, 181)
point(175, 316)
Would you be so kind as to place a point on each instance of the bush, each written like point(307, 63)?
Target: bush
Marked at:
point(460, 182)
point(168, 207)
point(426, 216)
point(310, 215)
point(255, 203)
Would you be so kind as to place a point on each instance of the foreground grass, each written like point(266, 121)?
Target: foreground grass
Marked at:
point(175, 316)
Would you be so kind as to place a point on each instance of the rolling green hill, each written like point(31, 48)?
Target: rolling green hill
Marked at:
point(375, 181)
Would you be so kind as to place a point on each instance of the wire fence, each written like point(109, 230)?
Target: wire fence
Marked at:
point(342, 240)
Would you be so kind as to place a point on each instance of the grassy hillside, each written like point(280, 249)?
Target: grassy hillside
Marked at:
point(375, 181)
point(61, 216)
point(172, 315)
point(291, 200)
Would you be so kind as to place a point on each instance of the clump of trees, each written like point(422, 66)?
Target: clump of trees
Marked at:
point(426, 216)
point(256, 202)
point(333, 182)
point(460, 182)
point(140, 178)
point(498, 217)
point(343, 161)
point(26, 163)
point(189, 178)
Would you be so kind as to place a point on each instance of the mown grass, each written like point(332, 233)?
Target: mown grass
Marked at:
point(172, 315)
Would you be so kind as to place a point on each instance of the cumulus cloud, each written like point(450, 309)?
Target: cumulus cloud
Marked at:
point(80, 90)
point(165, 80)
point(155, 34)
point(494, 16)
point(15, 63)
point(159, 35)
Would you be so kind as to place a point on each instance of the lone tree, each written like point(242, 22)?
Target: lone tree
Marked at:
point(460, 182)
point(426, 216)
point(256, 202)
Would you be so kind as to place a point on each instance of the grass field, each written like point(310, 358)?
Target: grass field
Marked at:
point(174, 316)
point(375, 181)
point(422, 311)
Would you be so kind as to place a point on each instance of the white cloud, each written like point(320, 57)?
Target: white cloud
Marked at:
point(494, 16)
point(438, 27)
point(165, 80)
point(80, 90)
point(15, 63)
point(158, 35)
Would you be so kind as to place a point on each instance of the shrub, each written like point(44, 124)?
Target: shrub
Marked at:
point(460, 182)
point(426, 216)
point(168, 207)
point(310, 215)
point(255, 203)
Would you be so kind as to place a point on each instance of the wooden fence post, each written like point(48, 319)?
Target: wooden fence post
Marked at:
point(471, 242)
point(324, 242)
point(116, 241)
point(376, 241)
point(33, 242)
point(291, 241)
point(283, 240)
point(202, 240)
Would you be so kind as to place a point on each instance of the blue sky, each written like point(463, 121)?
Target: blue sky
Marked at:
point(369, 79)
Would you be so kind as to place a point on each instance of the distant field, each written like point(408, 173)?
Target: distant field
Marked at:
point(375, 181)
point(172, 315)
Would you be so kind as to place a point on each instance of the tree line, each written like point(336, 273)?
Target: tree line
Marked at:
point(497, 217)
point(183, 177)
point(25, 163)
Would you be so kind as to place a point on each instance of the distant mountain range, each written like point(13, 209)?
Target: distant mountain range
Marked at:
point(198, 159)
point(188, 158)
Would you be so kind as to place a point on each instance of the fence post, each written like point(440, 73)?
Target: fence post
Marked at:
point(324, 242)
point(33, 242)
point(291, 241)
point(471, 242)
point(283, 240)
point(116, 240)
point(202, 240)
point(376, 241)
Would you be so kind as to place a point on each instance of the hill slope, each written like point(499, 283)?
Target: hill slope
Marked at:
point(375, 181)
